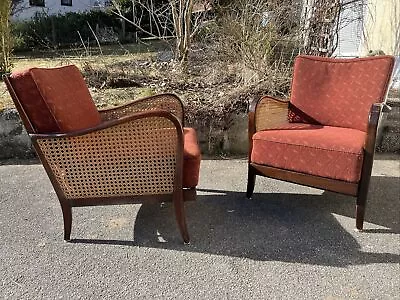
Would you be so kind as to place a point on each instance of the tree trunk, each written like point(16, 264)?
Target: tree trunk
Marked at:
point(5, 36)
point(182, 12)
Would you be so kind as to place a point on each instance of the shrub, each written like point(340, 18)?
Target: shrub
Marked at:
point(260, 37)
point(54, 31)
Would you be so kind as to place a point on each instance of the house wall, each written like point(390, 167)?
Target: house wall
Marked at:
point(382, 27)
point(373, 25)
point(52, 7)
point(350, 32)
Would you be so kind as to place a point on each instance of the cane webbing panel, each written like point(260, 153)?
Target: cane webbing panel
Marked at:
point(133, 158)
point(270, 114)
point(166, 102)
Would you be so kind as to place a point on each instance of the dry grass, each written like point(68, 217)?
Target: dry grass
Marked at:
point(112, 55)
point(212, 89)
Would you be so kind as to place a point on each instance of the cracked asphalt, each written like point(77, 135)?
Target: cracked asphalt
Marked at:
point(289, 242)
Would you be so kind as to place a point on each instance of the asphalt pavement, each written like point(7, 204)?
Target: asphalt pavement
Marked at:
point(288, 242)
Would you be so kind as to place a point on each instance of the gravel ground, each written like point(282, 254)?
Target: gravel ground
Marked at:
point(289, 242)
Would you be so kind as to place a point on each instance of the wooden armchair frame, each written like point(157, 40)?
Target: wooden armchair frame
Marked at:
point(79, 163)
point(268, 113)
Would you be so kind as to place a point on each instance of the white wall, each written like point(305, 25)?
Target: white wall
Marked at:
point(382, 30)
point(351, 31)
point(373, 26)
point(54, 7)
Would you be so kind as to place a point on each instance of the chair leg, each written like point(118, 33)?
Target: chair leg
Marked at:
point(67, 216)
point(251, 180)
point(360, 207)
point(180, 215)
point(363, 189)
point(360, 212)
point(189, 194)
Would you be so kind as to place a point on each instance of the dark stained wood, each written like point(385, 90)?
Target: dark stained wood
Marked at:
point(177, 196)
point(108, 124)
point(190, 194)
point(358, 189)
point(333, 185)
point(369, 151)
point(146, 99)
point(251, 181)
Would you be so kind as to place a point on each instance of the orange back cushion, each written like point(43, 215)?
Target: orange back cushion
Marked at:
point(338, 92)
point(56, 100)
point(32, 102)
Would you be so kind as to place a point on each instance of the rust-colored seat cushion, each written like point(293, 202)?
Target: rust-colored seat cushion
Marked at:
point(191, 158)
point(331, 152)
point(56, 99)
point(338, 92)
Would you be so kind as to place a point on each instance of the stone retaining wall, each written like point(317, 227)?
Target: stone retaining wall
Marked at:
point(389, 135)
point(15, 143)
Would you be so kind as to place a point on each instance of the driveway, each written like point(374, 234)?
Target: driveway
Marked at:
point(289, 242)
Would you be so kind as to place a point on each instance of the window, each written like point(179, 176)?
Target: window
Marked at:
point(36, 3)
point(66, 2)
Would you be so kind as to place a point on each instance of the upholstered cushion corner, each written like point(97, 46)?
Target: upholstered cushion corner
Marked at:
point(191, 159)
point(67, 97)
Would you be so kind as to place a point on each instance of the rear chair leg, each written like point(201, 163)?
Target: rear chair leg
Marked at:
point(251, 180)
point(363, 193)
point(360, 209)
point(360, 212)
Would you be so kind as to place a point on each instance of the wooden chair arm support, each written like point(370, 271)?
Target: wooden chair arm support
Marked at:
point(116, 157)
point(168, 102)
point(266, 112)
point(373, 121)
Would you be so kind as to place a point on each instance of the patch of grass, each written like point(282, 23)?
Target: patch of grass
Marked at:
point(117, 56)
point(213, 89)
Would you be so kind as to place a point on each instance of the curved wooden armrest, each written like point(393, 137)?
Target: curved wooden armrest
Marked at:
point(114, 123)
point(168, 102)
point(267, 112)
point(135, 155)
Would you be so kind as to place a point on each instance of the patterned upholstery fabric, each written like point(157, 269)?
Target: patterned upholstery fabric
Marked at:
point(56, 100)
point(191, 159)
point(338, 92)
point(326, 151)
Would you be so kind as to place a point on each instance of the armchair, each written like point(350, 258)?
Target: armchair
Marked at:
point(324, 135)
point(121, 155)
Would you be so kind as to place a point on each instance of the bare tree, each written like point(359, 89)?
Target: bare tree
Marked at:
point(322, 22)
point(16, 6)
point(5, 36)
point(171, 18)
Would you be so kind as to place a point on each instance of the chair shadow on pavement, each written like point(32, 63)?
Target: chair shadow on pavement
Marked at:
point(297, 228)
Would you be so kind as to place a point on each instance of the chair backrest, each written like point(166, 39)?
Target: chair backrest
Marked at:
point(53, 100)
point(338, 92)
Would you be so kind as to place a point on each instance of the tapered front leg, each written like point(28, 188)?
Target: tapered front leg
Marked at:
point(67, 216)
point(180, 215)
